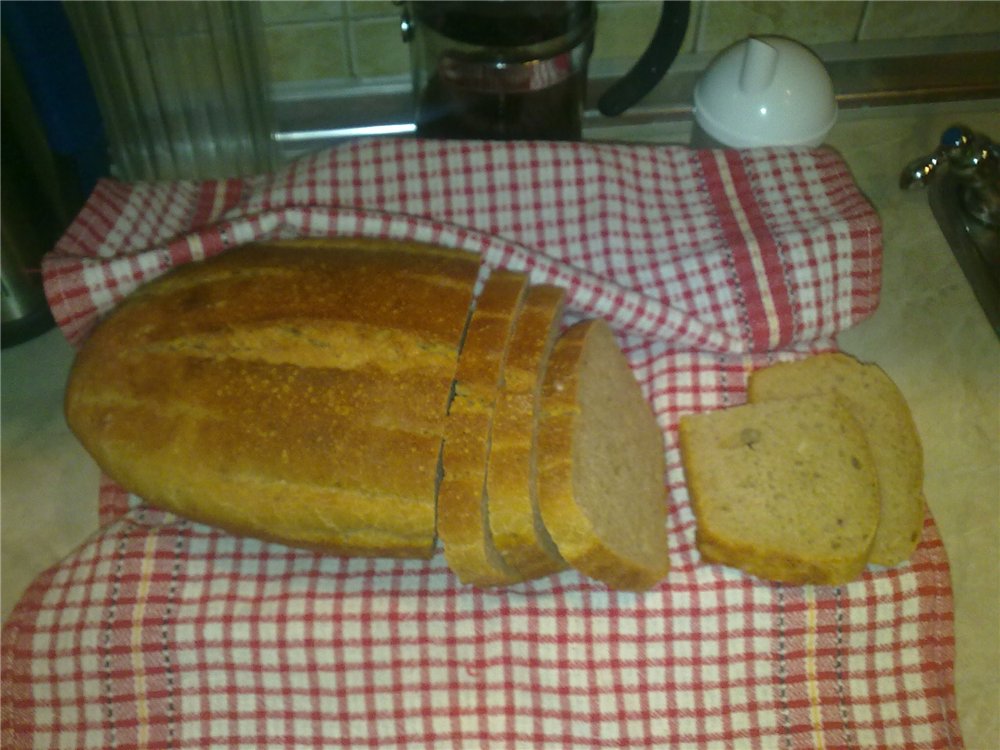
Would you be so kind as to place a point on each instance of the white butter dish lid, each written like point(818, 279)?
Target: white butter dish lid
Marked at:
point(766, 91)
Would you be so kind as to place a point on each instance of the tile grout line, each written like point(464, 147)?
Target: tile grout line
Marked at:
point(862, 27)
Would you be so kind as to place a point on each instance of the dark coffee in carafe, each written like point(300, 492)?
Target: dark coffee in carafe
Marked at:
point(501, 70)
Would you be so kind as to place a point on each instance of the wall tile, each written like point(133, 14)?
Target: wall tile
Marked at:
point(625, 28)
point(307, 40)
point(809, 23)
point(372, 9)
point(297, 11)
point(166, 20)
point(904, 20)
point(307, 52)
point(379, 49)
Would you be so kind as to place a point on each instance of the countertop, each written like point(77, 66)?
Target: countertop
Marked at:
point(929, 334)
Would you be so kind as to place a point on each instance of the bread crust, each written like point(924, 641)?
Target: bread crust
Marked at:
point(463, 505)
point(293, 391)
point(515, 519)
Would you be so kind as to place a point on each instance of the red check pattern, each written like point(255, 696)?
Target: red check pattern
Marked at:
point(162, 633)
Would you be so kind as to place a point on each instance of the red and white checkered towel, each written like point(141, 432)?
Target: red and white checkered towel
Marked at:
point(162, 633)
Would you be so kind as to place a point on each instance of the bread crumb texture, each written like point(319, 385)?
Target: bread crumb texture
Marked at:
point(602, 485)
point(881, 410)
point(784, 490)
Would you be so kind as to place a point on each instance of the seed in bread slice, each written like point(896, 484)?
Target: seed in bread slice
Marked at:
point(784, 490)
point(515, 520)
point(878, 405)
point(601, 463)
point(463, 511)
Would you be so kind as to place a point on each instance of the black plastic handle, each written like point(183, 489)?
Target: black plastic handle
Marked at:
point(653, 63)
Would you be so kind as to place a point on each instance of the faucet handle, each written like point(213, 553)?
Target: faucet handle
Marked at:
point(963, 150)
point(971, 155)
point(919, 171)
point(974, 160)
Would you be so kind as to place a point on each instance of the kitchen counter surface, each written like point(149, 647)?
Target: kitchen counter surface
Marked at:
point(929, 334)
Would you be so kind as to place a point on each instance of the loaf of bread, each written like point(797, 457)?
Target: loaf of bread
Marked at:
point(786, 490)
point(463, 512)
point(354, 396)
point(512, 479)
point(878, 405)
point(601, 463)
point(292, 391)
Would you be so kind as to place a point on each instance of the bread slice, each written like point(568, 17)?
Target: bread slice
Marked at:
point(512, 478)
point(601, 463)
point(877, 404)
point(293, 391)
point(463, 511)
point(785, 490)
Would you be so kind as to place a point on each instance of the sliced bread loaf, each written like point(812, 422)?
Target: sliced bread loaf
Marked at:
point(877, 404)
point(463, 511)
point(601, 463)
point(515, 520)
point(785, 490)
point(292, 391)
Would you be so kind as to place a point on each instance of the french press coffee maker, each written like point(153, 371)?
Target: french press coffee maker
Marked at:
point(506, 69)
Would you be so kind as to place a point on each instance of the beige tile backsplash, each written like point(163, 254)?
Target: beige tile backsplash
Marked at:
point(894, 20)
point(309, 51)
point(356, 41)
point(625, 28)
point(378, 47)
point(809, 22)
point(300, 11)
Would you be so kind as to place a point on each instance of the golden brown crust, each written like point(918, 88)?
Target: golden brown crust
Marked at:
point(294, 391)
point(378, 283)
point(515, 521)
point(463, 520)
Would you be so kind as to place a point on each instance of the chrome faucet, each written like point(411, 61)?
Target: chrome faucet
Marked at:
point(963, 179)
point(974, 160)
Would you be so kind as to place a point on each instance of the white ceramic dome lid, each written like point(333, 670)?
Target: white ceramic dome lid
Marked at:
point(766, 91)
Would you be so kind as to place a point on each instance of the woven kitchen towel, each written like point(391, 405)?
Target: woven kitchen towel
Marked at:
point(163, 633)
point(717, 250)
